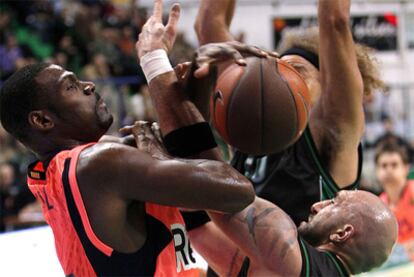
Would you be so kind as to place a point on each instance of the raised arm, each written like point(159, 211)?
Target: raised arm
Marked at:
point(213, 21)
point(338, 118)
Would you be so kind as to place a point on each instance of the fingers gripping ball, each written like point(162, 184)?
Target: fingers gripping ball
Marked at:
point(260, 108)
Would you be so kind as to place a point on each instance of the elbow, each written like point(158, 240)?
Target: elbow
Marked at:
point(211, 28)
point(244, 197)
point(338, 22)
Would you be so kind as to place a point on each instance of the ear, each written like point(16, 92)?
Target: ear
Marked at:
point(40, 120)
point(341, 235)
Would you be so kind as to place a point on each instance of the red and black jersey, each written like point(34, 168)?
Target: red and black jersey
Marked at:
point(166, 251)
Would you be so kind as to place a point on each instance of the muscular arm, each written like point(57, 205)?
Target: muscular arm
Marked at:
point(175, 110)
point(221, 254)
point(338, 118)
point(213, 21)
point(131, 174)
point(266, 235)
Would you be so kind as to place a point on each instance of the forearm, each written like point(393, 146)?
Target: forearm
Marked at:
point(264, 233)
point(175, 111)
point(173, 108)
point(221, 254)
point(341, 81)
point(213, 21)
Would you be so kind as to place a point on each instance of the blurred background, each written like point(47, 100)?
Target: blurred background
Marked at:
point(96, 40)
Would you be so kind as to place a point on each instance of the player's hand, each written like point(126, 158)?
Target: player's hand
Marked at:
point(148, 138)
point(214, 53)
point(181, 70)
point(154, 34)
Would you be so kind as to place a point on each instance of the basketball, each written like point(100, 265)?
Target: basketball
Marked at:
point(260, 108)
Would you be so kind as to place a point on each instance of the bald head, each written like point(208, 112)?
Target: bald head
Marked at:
point(356, 225)
point(375, 235)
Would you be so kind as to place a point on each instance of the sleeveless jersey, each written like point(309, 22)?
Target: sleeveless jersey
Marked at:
point(319, 263)
point(314, 263)
point(293, 179)
point(166, 251)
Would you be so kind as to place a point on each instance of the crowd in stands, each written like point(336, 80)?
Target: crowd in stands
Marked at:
point(94, 39)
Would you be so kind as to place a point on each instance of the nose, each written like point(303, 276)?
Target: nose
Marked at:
point(319, 206)
point(88, 88)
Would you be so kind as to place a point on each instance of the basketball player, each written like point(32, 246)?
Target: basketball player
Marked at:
point(328, 155)
point(337, 240)
point(111, 206)
point(349, 234)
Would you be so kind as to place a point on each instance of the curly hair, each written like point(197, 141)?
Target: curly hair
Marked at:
point(308, 39)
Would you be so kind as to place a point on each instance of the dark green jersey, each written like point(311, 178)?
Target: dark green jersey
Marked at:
point(293, 179)
point(315, 263)
point(319, 263)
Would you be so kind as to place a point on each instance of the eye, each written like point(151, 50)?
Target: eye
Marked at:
point(71, 85)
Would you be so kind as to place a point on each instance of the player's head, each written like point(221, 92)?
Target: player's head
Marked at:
point(391, 163)
point(355, 225)
point(43, 103)
point(306, 61)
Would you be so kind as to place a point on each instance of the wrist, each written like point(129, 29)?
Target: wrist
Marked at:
point(155, 63)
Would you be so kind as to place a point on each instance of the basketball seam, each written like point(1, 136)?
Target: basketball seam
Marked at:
point(294, 101)
point(262, 146)
point(229, 106)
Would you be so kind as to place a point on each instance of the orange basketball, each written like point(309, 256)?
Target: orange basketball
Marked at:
point(260, 108)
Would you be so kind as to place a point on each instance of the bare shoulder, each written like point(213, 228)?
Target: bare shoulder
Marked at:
point(127, 140)
point(105, 160)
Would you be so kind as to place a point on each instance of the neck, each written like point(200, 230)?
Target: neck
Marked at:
point(45, 150)
point(394, 192)
point(341, 256)
point(345, 264)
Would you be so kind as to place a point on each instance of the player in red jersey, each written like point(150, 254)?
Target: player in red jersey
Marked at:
point(111, 206)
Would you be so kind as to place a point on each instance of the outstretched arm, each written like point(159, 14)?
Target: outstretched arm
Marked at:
point(130, 174)
point(174, 109)
point(338, 118)
point(213, 21)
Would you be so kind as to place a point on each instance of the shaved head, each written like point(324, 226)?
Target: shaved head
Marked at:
point(356, 225)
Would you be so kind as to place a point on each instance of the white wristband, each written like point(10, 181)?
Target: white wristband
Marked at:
point(155, 63)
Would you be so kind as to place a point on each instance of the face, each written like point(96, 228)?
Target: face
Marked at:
point(391, 170)
point(77, 111)
point(309, 73)
point(326, 217)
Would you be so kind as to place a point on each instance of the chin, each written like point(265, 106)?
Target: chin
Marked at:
point(106, 122)
point(310, 234)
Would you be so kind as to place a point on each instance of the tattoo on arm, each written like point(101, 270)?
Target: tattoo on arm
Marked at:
point(251, 219)
point(233, 263)
point(286, 246)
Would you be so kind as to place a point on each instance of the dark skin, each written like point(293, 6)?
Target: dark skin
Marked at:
point(115, 204)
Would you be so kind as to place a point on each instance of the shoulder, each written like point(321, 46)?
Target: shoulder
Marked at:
point(104, 160)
